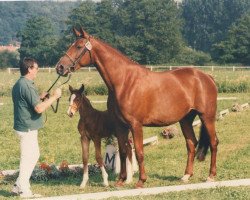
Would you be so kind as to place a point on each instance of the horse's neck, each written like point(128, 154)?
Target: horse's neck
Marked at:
point(112, 65)
point(86, 109)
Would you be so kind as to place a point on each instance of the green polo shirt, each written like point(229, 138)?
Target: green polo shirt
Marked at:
point(25, 98)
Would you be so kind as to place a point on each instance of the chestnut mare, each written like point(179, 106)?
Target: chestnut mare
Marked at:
point(93, 125)
point(140, 97)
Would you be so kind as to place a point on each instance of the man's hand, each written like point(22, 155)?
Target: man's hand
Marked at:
point(44, 95)
point(57, 93)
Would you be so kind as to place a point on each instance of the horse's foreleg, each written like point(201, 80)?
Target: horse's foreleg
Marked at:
point(191, 142)
point(85, 155)
point(125, 152)
point(99, 160)
point(138, 143)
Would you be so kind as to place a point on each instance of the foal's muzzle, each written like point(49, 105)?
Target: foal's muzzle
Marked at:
point(70, 114)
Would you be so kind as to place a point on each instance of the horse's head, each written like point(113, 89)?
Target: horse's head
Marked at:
point(75, 100)
point(78, 54)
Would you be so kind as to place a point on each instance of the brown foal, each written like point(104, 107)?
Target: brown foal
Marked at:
point(93, 125)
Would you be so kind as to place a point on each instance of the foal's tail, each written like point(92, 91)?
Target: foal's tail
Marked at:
point(203, 144)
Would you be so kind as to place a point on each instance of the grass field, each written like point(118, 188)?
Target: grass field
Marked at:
point(165, 162)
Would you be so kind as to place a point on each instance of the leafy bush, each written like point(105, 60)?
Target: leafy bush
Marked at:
point(189, 56)
point(8, 59)
point(97, 90)
point(232, 87)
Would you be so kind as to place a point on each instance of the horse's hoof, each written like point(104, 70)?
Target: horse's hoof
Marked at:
point(185, 178)
point(119, 183)
point(139, 185)
point(210, 179)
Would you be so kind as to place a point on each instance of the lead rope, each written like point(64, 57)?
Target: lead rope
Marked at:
point(57, 101)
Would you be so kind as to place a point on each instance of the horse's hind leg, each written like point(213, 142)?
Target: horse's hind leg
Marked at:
point(99, 160)
point(209, 124)
point(191, 142)
point(85, 156)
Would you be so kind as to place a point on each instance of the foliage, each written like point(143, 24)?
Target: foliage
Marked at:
point(147, 31)
point(206, 22)
point(8, 59)
point(14, 16)
point(236, 47)
point(38, 41)
point(189, 56)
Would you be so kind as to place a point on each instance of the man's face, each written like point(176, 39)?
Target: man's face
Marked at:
point(33, 71)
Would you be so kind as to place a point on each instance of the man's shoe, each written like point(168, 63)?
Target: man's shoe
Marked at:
point(16, 190)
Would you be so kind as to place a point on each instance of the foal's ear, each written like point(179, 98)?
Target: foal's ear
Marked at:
point(81, 90)
point(84, 34)
point(76, 32)
point(70, 88)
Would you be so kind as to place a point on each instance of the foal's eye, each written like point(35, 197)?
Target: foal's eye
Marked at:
point(79, 47)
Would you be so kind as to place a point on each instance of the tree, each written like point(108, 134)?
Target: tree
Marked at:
point(153, 27)
point(236, 47)
point(206, 22)
point(147, 31)
point(14, 14)
point(38, 41)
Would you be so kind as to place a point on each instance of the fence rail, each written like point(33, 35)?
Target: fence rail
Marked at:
point(152, 68)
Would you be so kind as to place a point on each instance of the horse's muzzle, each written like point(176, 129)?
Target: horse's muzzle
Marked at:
point(60, 69)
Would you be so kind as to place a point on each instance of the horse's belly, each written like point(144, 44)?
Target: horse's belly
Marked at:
point(163, 116)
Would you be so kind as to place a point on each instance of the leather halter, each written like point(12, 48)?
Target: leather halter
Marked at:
point(87, 47)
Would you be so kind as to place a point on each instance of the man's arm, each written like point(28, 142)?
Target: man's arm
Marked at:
point(41, 107)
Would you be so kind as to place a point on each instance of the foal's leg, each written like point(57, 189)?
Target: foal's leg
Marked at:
point(85, 156)
point(209, 123)
point(191, 142)
point(99, 160)
point(138, 143)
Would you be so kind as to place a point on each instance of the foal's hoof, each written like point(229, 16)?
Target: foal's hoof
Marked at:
point(139, 184)
point(210, 179)
point(119, 183)
point(185, 178)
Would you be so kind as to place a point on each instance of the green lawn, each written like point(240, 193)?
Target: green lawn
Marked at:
point(165, 162)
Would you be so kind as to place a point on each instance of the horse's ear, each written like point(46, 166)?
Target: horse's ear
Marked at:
point(77, 33)
point(81, 89)
point(84, 33)
point(70, 88)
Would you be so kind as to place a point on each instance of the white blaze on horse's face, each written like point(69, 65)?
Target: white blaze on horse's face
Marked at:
point(72, 108)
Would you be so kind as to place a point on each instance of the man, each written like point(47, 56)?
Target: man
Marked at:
point(28, 109)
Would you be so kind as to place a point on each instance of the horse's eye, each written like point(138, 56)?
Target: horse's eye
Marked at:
point(78, 47)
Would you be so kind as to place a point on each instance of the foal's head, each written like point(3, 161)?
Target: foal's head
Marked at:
point(75, 100)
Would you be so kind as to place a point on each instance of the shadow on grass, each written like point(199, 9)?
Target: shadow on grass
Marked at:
point(5, 193)
point(165, 178)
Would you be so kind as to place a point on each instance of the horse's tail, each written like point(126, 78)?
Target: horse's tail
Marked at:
point(203, 144)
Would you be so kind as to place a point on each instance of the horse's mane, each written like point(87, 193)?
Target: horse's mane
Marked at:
point(115, 51)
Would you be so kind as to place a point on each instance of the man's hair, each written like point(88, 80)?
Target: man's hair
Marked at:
point(26, 64)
